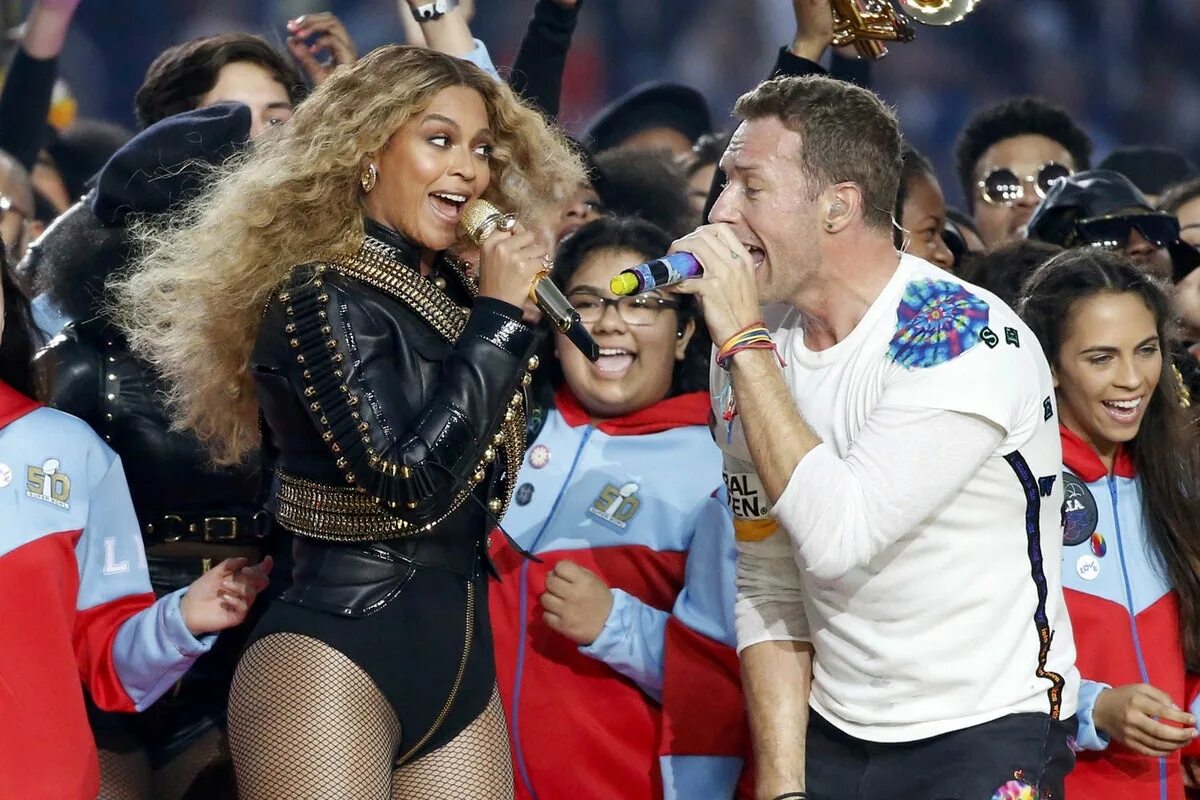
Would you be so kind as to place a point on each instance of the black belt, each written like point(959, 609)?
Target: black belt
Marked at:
point(216, 529)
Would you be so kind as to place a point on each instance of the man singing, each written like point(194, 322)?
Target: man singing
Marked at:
point(908, 451)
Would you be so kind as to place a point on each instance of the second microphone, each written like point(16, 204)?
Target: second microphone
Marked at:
point(656, 274)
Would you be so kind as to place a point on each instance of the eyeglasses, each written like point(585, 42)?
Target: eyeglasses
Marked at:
point(1114, 231)
point(1003, 187)
point(638, 309)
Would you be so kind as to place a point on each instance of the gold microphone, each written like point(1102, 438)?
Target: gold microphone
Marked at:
point(480, 220)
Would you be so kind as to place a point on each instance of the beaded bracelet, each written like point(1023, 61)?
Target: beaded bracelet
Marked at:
point(754, 336)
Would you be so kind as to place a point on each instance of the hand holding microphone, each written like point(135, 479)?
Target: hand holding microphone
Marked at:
point(516, 267)
point(712, 264)
point(656, 274)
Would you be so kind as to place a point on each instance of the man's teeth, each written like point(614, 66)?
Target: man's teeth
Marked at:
point(1127, 405)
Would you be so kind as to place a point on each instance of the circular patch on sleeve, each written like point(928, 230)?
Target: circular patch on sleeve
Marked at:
point(1079, 511)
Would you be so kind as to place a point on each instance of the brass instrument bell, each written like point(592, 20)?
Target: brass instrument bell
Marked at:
point(867, 24)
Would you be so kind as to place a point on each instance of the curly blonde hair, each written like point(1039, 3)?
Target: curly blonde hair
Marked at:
point(192, 302)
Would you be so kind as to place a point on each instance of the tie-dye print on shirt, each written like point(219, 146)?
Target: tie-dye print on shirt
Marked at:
point(935, 322)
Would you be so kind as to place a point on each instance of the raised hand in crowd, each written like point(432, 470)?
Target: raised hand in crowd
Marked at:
point(814, 28)
point(311, 35)
point(414, 33)
point(46, 29)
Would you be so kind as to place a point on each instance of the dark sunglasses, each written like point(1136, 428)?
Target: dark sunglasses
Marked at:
point(1003, 187)
point(1114, 231)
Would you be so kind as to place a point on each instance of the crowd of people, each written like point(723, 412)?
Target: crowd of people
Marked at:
point(306, 498)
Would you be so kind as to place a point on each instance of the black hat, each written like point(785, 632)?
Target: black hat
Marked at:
point(651, 105)
point(1090, 194)
point(1095, 193)
point(1152, 169)
point(81, 150)
point(156, 170)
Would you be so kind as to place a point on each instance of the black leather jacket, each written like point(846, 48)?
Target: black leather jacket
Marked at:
point(393, 419)
point(90, 373)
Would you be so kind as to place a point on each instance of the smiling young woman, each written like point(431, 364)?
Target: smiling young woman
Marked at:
point(1132, 532)
point(620, 498)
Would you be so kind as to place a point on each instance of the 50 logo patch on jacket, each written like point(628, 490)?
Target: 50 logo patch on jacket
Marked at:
point(616, 506)
point(49, 484)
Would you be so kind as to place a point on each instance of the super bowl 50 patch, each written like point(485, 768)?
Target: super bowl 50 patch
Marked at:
point(49, 484)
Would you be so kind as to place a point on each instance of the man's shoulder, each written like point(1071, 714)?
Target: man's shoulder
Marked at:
point(940, 318)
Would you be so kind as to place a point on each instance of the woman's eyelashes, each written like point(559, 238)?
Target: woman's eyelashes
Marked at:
point(445, 141)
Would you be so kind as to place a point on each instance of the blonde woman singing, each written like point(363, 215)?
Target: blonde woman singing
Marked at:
point(310, 287)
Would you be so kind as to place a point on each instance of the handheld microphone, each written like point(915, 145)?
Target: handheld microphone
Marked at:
point(480, 220)
point(656, 274)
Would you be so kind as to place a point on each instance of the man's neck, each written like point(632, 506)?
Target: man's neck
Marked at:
point(853, 276)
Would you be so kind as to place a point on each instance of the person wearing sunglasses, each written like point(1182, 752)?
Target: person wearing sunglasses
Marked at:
point(1104, 209)
point(605, 641)
point(1101, 208)
point(1009, 156)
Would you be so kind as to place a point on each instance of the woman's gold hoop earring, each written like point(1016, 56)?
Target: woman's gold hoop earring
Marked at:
point(368, 178)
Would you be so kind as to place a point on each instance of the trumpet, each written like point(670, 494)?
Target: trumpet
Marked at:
point(867, 24)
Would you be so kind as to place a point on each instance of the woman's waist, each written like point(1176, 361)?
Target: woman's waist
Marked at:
point(357, 579)
point(322, 507)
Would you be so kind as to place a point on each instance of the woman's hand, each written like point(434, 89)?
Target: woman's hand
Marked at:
point(508, 264)
point(1130, 715)
point(576, 602)
point(310, 34)
point(221, 597)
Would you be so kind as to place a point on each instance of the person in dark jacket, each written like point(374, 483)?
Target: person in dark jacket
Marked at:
point(190, 515)
point(307, 302)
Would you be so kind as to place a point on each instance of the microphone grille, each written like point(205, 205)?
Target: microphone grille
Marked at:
point(475, 218)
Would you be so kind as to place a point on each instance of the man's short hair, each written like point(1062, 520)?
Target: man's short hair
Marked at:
point(183, 74)
point(1018, 116)
point(847, 134)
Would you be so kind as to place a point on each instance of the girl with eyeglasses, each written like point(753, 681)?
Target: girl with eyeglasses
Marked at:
point(605, 644)
point(1131, 570)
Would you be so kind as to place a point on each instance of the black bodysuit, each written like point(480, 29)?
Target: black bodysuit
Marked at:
point(393, 408)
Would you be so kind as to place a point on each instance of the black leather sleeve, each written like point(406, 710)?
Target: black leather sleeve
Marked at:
point(71, 375)
point(408, 415)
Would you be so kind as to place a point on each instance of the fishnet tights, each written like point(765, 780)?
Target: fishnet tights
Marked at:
point(125, 776)
point(201, 772)
point(305, 722)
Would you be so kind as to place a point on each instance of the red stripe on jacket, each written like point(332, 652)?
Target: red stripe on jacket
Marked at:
point(603, 731)
point(49, 648)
